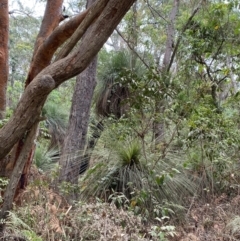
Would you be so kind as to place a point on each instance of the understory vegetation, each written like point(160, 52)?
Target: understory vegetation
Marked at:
point(134, 184)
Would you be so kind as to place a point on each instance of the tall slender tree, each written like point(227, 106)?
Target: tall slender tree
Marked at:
point(71, 158)
point(4, 35)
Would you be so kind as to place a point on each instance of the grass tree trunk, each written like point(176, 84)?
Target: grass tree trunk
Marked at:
point(4, 35)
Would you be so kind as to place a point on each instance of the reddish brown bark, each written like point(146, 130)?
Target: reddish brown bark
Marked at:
point(62, 70)
point(51, 19)
point(46, 50)
point(4, 32)
point(28, 111)
point(93, 13)
point(41, 58)
point(16, 176)
point(22, 125)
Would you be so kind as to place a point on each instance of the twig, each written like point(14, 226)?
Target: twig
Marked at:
point(180, 36)
point(129, 45)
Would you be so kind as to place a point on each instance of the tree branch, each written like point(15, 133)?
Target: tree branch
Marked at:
point(33, 98)
point(27, 112)
point(51, 19)
point(45, 52)
point(94, 11)
point(133, 50)
point(185, 27)
point(170, 36)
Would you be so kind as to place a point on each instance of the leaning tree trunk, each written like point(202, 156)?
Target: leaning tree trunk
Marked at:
point(53, 9)
point(107, 18)
point(103, 17)
point(16, 175)
point(4, 35)
point(49, 38)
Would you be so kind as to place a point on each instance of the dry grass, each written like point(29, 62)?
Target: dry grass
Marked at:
point(47, 215)
point(216, 220)
point(42, 214)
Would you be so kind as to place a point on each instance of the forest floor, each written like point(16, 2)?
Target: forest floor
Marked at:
point(216, 219)
point(50, 217)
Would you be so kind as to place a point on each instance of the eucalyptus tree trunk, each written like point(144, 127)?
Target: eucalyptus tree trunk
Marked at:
point(47, 73)
point(106, 19)
point(76, 136)
point(50, 21)
point(16, 175)
point(4, 35)
point(72, 156)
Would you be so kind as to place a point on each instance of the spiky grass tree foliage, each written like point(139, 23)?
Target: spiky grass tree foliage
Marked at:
point(56, 122)
point(150, 185)
point(110, 95)
point(45, 159)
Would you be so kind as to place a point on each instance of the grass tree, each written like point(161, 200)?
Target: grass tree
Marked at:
point(145, 182)
point(110, 93)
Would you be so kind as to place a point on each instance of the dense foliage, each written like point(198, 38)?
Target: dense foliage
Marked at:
point(128, 167)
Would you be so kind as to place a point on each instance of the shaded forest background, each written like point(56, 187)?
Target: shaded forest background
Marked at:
point(144, 143)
